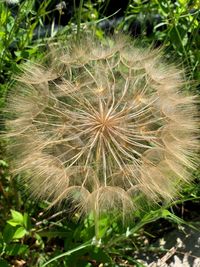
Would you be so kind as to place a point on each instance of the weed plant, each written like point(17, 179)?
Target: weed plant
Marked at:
point(34, 236)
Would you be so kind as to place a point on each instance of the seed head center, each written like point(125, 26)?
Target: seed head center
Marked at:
point(105, 123)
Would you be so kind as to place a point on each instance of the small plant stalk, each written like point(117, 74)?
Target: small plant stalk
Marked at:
point(79, 20)
point(96, 223)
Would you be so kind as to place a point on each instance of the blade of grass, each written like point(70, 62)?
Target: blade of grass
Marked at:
point(69, 252)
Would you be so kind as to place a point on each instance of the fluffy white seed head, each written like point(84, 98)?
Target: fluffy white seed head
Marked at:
point(102, 123)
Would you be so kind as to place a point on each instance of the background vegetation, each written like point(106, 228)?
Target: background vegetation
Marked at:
point(31, 236)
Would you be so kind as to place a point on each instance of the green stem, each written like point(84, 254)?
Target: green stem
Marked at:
point(79, 20)
point(96, 224)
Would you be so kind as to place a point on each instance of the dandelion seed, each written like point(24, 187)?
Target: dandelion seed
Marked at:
point(101, 123)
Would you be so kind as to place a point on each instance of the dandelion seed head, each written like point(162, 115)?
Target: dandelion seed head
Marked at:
point(101, 123)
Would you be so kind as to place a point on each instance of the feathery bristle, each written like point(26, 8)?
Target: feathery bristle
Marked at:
point(100, 123)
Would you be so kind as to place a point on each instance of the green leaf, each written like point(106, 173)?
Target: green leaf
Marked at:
point(17, 217)
point(16, 249)
point(4, 263)
point(4, 16)
point(1, 245)
point(8, 233)
point(19, 233)
point(164, 7)
point(183, 2)
point(26, 221)
point(3, 163)
point(165, 213)
point(13, 223)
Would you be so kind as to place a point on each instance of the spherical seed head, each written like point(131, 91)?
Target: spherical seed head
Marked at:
point(101, 123)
